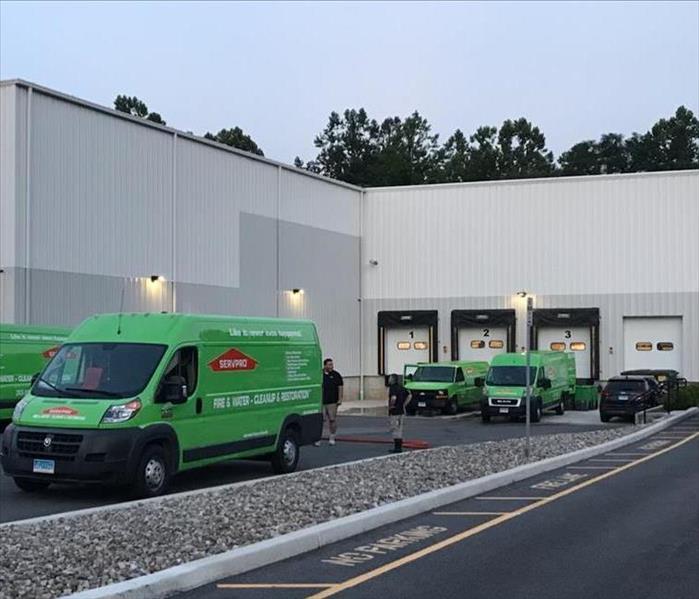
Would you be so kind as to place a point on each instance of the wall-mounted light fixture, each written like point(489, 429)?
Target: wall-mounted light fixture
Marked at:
point(373, 262)
point(157, 278)
point(522, 293)
point(297, 291)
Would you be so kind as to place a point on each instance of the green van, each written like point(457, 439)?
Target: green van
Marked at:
point(552, 378)
point(24, 350)
point(445, 386)
point(132, 399)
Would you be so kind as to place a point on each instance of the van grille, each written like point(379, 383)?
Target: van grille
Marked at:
point(503, 401)
point(62, 446)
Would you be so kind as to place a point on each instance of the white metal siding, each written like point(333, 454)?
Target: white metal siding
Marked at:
point(101, 193)
point(604, 234)
point(8, 155)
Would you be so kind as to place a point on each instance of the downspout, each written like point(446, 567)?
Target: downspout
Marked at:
point(277, 292)
point(27, 208)
point(362, 195)
point(174, 223)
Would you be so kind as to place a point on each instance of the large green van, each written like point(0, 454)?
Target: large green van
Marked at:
point(445, 386)
point(134, 398)
point(552, 378)
point(24, 350)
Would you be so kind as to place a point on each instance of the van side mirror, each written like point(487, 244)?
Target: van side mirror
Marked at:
point(408, 377)
point(35, 377)
point(174, 390)
point(479, 381)
point(545, 383)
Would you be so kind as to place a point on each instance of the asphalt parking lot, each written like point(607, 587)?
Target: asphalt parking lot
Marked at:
point(622, 524)
point(438, 431)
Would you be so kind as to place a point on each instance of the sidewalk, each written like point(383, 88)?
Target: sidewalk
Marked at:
point(373, 407)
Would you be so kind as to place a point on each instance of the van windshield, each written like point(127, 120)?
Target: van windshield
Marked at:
point(510, 376)
point(434, 374)
point(99, 370)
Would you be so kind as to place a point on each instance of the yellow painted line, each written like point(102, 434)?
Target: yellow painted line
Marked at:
point(590, 467)
point(362, 578)
point(512, 498)
point(469, 513)
point(610, 460)
point(309, 585)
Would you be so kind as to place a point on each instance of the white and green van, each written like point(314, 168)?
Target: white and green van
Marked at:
point(552, 379)
point(132, 399)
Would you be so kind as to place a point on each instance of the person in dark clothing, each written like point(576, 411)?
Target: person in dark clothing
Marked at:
point(398, 399)
point(333, 387)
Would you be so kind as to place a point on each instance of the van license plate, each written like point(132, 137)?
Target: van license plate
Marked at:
point(421, 404)
point(44, 466)
point(504, 410)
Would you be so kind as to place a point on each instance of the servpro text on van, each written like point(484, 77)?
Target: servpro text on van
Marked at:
point(24, 350)
point(552, 378)
point(132, 399)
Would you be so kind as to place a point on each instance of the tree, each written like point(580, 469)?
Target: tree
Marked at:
point(348, 147)
point(523, 151)
point(671, 144)
point(454, 158)
point(408, 152)
point(236, 138)
point(135, 107)
point(484, 155)
point(581, 159)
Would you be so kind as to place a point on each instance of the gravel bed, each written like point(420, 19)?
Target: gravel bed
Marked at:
point(66, 555)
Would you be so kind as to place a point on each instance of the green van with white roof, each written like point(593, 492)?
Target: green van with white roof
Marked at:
point(131, 399)
point(24, 350)
point(552, 379)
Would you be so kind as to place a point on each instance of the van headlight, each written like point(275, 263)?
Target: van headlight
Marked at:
point(19, 408)
point(121, 413)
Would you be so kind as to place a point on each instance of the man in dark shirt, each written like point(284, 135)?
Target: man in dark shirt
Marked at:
point(398, 398)
point(332, 396)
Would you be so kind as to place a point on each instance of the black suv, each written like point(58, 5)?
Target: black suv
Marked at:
point(626, 395)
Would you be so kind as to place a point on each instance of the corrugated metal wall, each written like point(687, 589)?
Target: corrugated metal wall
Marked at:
point(627, 245)
point(113, 200)
point(604, 234)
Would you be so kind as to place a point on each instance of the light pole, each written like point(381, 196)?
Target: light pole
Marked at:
point(528, 377)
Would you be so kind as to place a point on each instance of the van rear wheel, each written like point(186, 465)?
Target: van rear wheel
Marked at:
point(560, 408)
point(31, 485)
point(286, 457)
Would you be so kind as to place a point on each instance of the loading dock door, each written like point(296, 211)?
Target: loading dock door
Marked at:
point(573, 339)
point(481, 343)
point(654, 343)
point(406, 346)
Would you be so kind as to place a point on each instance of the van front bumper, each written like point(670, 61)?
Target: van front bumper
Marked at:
point(515, 411)
point(78, 455)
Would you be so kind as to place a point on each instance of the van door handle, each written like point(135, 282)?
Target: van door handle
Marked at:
point(198, 406)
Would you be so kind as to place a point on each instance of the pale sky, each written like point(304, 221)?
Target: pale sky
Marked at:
point(277, 69)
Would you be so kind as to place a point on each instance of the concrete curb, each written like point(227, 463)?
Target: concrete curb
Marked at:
point(230, 563)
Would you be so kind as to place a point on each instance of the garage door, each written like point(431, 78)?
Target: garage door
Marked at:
point(573, 339)
point(654, 343)
point(406, 346)
point(482, 343)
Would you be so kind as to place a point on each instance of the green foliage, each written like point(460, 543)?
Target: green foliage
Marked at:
point(236, 138)
point(135, 107)
point(686, 398)
point(523, 152)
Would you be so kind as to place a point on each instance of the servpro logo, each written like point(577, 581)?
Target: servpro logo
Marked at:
point(60, 411)
point(232, 360)
point(50, 353)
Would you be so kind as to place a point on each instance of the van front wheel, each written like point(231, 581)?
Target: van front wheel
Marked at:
point(153, 473)
point(286, 457)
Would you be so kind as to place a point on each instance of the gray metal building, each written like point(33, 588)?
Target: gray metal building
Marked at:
point(94, 204)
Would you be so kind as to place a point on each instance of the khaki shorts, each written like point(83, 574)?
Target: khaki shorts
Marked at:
point(330, 414)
